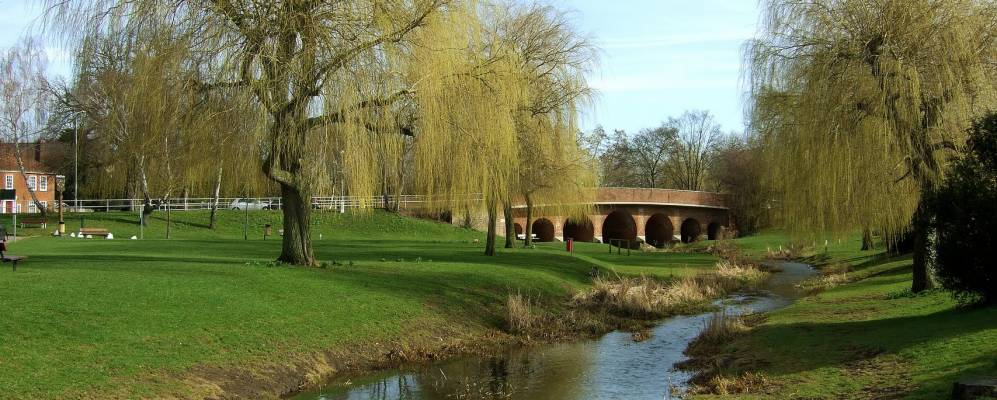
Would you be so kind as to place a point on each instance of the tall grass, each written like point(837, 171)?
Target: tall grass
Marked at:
point(646, 297)
point(521, 317)
point(722, 327)
point(830, 276)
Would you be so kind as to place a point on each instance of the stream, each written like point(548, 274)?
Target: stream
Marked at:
point(610, 367)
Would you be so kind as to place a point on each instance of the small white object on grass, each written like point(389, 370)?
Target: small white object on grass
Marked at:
point(72, 234)
point(56, 233)
point(110, 236)
point(80, 236)
point(89, 236)
point(134, 237)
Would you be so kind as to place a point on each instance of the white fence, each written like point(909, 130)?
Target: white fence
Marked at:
point(224, 203)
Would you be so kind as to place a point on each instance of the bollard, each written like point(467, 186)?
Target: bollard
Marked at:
point(570, 244)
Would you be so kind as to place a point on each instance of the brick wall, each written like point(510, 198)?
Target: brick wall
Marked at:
point(44, 184)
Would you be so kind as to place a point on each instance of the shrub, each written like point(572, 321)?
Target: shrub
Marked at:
point(965, 214)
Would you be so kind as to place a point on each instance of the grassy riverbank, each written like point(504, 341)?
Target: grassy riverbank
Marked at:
point(868, 337)
point(206, 312)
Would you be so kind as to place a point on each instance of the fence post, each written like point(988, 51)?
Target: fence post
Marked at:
point(107, 205)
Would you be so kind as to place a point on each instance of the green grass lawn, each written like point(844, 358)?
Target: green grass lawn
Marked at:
point(129, 318)
point(870, 338)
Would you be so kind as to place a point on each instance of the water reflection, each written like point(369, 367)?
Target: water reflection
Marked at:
point(611, 367)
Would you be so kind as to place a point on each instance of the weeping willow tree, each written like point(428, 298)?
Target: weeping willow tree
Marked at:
point(321, 75)
point(124, 90)
point(152, 132)
point(554, 59)
point(861, 103)
point(469, 90)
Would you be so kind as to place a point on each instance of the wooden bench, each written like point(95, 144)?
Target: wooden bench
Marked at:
point(39, 222)
point(12, 259)
point(93, 232)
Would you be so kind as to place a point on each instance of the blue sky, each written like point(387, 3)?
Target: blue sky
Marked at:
point(662, 57)
point(659, 57)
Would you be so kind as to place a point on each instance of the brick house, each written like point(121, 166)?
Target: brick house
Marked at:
point(40, 165)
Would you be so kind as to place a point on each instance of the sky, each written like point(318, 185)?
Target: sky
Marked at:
point(659, 58)
point(663, 57)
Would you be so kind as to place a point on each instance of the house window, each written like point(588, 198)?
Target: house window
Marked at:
point(32, 182)
point(44, 205)
point(43, 183)
point(17, 208)
point(8, 182)
point(32, 208)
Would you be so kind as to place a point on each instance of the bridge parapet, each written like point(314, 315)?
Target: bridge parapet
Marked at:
point(688, 198)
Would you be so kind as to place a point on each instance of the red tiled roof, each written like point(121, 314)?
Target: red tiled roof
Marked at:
point(37, 157)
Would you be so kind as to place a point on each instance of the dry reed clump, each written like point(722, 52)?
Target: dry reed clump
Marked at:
point(522, 318)
point(749, 382)
point(722, 327)
point(830, 276)
point(527, 317)
point(725, 249)
point(734, 275)
point(792, 251)
point(645, 297)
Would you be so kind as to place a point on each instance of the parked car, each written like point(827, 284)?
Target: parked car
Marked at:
point(249, 204)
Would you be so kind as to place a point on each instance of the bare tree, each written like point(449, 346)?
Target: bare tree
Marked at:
point(651, 150)
point(697, 136)
point(25, 101)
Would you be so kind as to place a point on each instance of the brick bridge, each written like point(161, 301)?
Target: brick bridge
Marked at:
point(656, 216)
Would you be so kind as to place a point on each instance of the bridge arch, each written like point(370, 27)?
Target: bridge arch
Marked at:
point(658, 231)
point(691, 230)
point(544, 229)
point(580, 230)
point(619, 224)
point(518, 228)
point(713, 231)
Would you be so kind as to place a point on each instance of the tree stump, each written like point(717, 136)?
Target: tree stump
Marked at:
point(971, 389)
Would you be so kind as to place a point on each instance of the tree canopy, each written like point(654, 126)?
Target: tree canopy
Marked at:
point(329, 91)
point(860, 104)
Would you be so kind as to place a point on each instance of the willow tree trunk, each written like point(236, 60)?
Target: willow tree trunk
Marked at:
point(510, 227)
point(528, 229)
point(147, 206)
point(297, 244)
point(920, 231)
point(490, 240)
point(867, 239)
point(213, 219)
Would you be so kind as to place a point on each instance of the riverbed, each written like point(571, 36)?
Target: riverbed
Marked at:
point(613, 366)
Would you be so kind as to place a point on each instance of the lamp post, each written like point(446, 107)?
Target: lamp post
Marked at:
point(60, 185)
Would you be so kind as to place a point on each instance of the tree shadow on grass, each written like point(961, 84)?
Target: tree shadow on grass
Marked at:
point(836, 343)
point(982, 366)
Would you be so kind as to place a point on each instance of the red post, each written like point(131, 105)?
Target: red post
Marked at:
point(570, 245)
